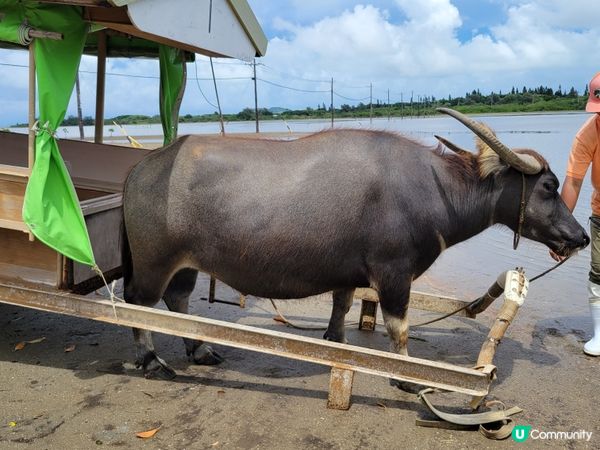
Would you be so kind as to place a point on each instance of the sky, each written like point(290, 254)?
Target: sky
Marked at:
point(410, 48)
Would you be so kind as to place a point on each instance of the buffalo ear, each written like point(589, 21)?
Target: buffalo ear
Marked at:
point(452, 146)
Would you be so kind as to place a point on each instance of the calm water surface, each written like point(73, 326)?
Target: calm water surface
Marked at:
point(467, 269)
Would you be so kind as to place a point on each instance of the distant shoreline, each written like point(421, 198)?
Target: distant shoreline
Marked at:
point(320, 119)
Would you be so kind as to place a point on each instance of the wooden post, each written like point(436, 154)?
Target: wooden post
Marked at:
point(340, 388)
point(100, 87)
point(368, 315)
point(79, 112)
point(211, 290)
point(31, 115)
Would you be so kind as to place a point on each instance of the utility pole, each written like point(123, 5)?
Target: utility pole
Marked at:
point(255, 95)
point(389, 106)
point(371, 103)
point(402, 105)
point(332, 110)
point(79, 113)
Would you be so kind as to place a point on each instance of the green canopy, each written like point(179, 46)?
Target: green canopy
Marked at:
point(51, 208)
point(172, 86)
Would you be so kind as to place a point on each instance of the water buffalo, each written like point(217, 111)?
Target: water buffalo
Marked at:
point(333, 211)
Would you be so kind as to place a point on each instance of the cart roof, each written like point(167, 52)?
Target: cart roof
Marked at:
point(136, 27)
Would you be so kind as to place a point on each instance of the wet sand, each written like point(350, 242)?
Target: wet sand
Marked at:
point(93, 396)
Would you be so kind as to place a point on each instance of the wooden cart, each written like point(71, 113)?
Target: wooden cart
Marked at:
point(33, 275)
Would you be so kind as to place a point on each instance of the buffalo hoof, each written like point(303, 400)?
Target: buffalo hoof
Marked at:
point(411, 388)
point(156, 368)
point(335, 337)
point(204, 355)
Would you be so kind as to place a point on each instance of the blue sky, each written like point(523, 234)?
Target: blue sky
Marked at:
point(420, 48)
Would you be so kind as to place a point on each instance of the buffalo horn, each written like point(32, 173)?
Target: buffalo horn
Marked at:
point(452, 146)
point(522, 163)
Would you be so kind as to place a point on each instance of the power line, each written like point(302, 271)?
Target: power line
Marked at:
point(199, 88)
point(291, 88)
point(288, 75)
point(351, 99)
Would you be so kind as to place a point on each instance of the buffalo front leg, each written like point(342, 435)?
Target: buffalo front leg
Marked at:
point(342, 301)
point(176, 297)
point(394, 307)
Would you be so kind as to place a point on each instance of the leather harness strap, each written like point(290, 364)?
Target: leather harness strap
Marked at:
point(465, 421)
point(522, 205)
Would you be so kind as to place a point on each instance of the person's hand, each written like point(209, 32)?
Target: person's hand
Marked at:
point(556, 257)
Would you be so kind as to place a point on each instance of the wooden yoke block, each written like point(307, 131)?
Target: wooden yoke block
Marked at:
point(340, 388)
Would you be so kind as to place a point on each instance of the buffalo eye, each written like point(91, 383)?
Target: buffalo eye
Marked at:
point(549, 186)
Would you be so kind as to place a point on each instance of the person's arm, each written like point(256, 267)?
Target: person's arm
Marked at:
point(569, 193)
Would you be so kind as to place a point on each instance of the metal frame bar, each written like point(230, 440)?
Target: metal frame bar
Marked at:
point(340, 356)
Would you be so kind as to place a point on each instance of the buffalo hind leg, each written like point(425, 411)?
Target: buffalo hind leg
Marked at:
point(144, 289)
point(153, 365)
point(177, 297)
point(342, 301)
point(394, 307)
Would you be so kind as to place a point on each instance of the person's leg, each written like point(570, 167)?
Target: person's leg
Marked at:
point(592, 347)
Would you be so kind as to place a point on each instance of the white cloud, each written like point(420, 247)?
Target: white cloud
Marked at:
point(402, 45)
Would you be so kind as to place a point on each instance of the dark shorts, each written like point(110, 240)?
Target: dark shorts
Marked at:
point(595, 249)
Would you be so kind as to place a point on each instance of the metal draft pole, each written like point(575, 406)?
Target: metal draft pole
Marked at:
point(100, 86)
point(343, 357)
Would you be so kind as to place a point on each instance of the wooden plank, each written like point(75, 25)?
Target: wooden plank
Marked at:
point(11, 200)
point(19, 251)
point(14, 225)
point(422, 301)
point(99, 167)
point(25, 260)
point(18, 274)
point(14, 171)
point(435, 374)
point(99, 204)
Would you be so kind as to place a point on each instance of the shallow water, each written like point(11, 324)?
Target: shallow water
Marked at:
point(467, 269)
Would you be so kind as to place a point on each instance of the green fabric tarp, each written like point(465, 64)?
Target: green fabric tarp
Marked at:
point(172, 86)
point(51, 208)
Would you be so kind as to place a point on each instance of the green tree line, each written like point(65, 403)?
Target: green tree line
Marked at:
point(539, 99)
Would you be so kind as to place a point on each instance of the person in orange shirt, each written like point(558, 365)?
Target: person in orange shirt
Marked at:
point(585, 151)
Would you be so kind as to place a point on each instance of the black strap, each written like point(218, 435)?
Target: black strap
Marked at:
point(522, 205)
